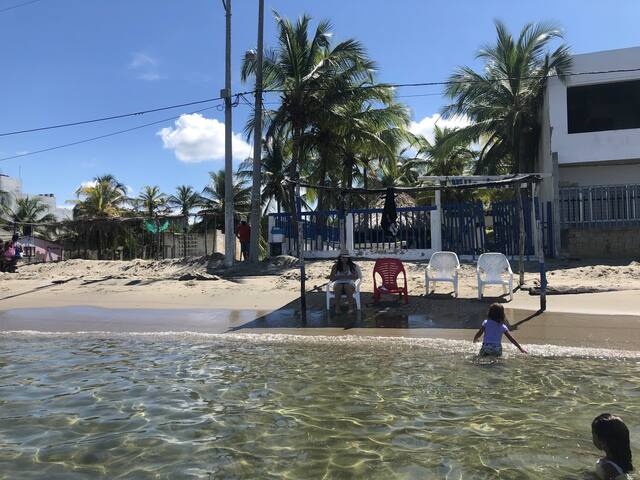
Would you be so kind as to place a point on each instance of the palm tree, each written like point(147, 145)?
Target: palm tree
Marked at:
point(31, 210)
point(213, 194)
point(394, 172)
point(151, 200)
point(185, 199)
point(448, 155)
point(274, 167)
point(103, 197)
point(306, 71)
point(5, 201)
point(503, 101)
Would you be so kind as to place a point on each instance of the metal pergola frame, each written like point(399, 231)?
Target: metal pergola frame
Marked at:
point(437, 184)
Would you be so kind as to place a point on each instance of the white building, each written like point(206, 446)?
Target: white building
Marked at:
point(590, 142)
point(13, 186)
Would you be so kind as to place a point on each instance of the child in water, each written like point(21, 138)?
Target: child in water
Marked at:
point(612, 435)
point(493, 328)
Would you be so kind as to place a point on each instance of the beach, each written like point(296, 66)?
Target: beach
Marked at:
point(199, 294)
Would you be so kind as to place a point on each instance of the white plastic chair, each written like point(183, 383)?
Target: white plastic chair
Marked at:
point(490, 271)
point(356, 294)
point(443, 267)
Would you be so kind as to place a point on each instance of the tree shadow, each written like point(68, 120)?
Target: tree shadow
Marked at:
point(435, 311)
point(38, 289)
point(515, 326)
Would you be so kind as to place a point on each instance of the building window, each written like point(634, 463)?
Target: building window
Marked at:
point(605, 106)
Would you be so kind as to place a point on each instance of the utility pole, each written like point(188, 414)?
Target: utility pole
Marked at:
point(257, 146)
point(229, 227)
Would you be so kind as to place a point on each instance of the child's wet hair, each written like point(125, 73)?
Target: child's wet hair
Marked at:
point(614, 434)
point(496, 313)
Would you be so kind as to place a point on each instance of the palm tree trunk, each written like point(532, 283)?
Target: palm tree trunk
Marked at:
point(515, 152)
point(295, 161)
point(321, 220)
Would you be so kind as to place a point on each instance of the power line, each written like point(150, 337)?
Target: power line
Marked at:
point(106, 135)
point(24, 4)
point(112, 117)
point(491, 80)
point(239, 95)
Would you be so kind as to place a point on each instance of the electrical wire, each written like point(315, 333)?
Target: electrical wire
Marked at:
point(24, 4)
point(490, 80)
point(112, 117)
point(237, 95)
point(106, 135)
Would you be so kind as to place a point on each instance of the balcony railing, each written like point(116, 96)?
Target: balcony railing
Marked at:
point(600, 206)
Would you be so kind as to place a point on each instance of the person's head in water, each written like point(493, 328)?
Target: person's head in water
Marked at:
point(345, 263)
point(612, 435)
point(496, 313)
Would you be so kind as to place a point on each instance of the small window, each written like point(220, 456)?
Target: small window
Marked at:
point(602, 107)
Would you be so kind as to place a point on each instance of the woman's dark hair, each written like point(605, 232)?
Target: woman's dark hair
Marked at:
point(496, 313)
point(352, 266)
point(614, 434)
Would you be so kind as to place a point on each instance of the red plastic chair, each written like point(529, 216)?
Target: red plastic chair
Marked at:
point(389, 270)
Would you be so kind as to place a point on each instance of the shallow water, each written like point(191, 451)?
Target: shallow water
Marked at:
point(245, 406)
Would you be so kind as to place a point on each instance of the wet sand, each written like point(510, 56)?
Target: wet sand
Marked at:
point(147, 296)
point(564, 329)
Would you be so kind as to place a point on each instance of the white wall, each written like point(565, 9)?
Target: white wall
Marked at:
point(607, 174)
point(594, 146)
point(13, 186)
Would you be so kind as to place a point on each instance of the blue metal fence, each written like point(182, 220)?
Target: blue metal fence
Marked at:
point(600, 206)
point(322, 229)
point(463, 228)
point(414, 229)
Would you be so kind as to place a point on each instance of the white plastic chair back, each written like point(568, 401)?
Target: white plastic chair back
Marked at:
point(493, 266)
point(443, 264)
point(356, 295)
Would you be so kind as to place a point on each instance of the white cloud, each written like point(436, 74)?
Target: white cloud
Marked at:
point(145, 66)
point(425, 126)
point(149, 76)
point(142, 60)
point(195, 139)
point(88, 184)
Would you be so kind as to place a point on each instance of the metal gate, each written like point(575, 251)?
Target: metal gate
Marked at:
point(463, 228)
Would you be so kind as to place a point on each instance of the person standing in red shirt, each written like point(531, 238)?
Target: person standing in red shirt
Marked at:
point(243, 232)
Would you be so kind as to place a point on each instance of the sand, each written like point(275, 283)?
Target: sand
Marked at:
point(610, 318)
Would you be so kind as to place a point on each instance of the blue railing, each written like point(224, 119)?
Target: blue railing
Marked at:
point(321, 230)
point(463, 228)
point(600, 206)
point(413, 232)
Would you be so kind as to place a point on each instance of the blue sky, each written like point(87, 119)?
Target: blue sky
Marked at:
point(67, 60)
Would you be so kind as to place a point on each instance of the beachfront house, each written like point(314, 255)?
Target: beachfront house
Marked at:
point(35, 249)
point(13, 188)
point(591, 145)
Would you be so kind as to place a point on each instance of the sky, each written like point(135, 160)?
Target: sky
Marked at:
point(70, 60)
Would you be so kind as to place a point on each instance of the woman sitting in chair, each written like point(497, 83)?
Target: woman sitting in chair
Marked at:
point(344, 273)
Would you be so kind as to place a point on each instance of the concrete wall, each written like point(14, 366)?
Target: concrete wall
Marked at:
point(174, 246)
point(602, 242)
point(14, 187)
point(593, 146)
point(601, 174)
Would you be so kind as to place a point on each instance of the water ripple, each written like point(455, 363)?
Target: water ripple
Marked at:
point(249, 406)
